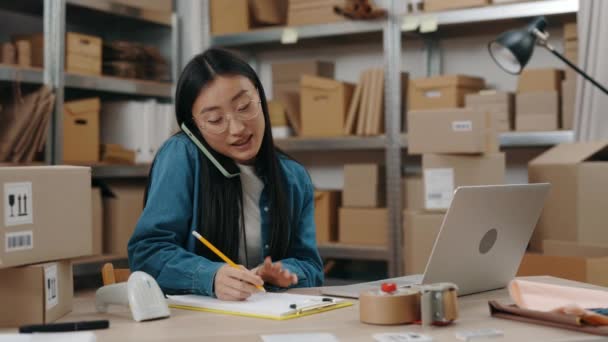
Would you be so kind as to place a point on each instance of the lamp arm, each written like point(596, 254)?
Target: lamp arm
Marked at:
point(577, 69)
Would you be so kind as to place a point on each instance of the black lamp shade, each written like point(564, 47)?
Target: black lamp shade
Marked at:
point(512, 50)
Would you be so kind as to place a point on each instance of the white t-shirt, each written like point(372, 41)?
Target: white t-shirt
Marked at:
point(252, 190)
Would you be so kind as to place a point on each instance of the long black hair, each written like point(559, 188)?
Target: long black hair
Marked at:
point(220, 212)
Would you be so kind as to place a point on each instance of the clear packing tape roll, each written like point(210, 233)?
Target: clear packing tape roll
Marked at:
point(433, 304)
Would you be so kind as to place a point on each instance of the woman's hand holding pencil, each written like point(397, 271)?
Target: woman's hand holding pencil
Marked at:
point(232, 281)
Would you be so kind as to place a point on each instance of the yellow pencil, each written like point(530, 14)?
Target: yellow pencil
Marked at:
point(220, 254)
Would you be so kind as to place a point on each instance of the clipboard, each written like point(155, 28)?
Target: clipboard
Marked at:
point(274, 306)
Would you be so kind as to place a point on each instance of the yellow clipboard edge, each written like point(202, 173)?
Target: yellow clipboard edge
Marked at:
point(276, 318)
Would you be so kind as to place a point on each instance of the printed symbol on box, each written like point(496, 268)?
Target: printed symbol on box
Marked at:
point(18, 204)
point(462, 126)
point(50, 280)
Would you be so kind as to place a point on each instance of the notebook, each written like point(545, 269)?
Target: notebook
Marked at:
point(277, 306)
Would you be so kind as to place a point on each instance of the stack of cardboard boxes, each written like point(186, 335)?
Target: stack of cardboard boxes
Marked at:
point(316, 105)
point(83, 53)
point(459, 147)
point(236, 16)
point(310, 12)
point(571, 239)
point(569, 83)
point(539, 100)
point(46, 221)
point(363, 218)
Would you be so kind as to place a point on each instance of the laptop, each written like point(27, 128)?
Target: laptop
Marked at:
point(481, 242)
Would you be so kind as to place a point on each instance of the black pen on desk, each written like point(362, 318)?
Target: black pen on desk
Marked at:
point(64, 327)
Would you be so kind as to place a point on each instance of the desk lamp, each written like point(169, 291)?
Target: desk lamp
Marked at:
point(512, 49)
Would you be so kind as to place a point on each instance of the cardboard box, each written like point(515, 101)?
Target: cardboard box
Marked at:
point(81, 64)
point(364, 186)
point(570, 31)
point(81, 130)
point(323, 105)
point(36, 47)
point(83, 52)
point(414, 193)
point(276, 112)
point(443, 173)
point(420, 231)
point(326, 215)
point(310, 12)
point(569, 248)
point(286, 84)
point(456, 130)
point(575, 209)
point(47, 214)
point(537, 111)
point(536, 80)
point(584, 269)
point(441, 5)
point(568, 103)
point(24, 53)
point(269, 12)
point(229, 16)
point(36, 294)
point(9, 53)
point(97, 216)
point(121, 211)
point(363, 226)
point(500, 104)
point(83, 44)
point(442, 91)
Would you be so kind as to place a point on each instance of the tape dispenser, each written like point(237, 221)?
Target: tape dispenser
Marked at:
point(433, 304)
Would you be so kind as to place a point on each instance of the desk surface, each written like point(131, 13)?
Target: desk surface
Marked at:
point(184, 325)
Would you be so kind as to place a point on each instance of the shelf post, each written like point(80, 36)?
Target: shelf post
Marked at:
point(54, 54)
point(392, 118)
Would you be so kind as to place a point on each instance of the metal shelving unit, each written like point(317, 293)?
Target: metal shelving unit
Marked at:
point(9, 73)
point(96, 13)
point(525, 139)
point(535, 139)
point(394, 141)
point(123, 10)
point(119, 85)
point(275, 35)
point(120, 171)
point(331, 144)
point(499, 12)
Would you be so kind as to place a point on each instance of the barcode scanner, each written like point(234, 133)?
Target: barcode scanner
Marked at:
point(141, 293)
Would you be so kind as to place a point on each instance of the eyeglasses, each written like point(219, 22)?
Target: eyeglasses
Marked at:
point(217, 122)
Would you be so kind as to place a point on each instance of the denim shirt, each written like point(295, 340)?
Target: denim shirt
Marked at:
point(163, 246)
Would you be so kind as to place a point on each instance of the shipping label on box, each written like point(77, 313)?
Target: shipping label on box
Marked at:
point(438, 188)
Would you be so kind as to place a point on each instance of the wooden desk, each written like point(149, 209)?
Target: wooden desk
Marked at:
point(184, 325)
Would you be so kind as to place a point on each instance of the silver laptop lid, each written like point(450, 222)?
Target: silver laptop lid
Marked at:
point(484, 236)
